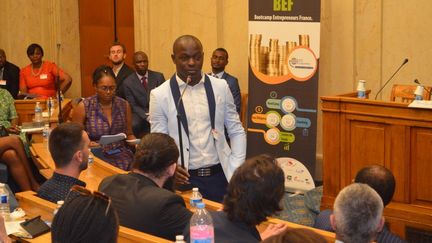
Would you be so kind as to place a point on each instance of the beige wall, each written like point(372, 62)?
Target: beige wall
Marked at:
point(46, 22)
point(217, 23)
point(360, 39)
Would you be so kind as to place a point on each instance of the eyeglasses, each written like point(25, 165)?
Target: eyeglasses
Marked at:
point(107, 88)
point(85, 192)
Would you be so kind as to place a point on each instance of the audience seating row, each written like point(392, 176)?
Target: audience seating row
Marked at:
point(33, 206)
point(100, 169)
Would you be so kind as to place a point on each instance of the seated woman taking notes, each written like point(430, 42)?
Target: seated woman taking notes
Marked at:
point(107, 114)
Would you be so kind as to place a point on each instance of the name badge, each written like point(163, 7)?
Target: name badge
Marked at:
point(43, 76)
point(2, 82)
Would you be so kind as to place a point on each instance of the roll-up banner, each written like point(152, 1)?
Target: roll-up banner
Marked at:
point(284, 41)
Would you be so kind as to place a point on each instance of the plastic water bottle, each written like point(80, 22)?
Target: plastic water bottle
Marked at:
point(180, 239)
point(59, 205)
point(196, 197)
point(45, 134)
point(361, 89)
point(90, 160)
point(201, 226)
point(4, 202)
point(38, 113)
point(50, 106)
point(419, 93)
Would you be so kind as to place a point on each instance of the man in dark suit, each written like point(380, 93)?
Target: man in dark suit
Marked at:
point(383, 182)
point(139, 197)
point(136, 89)
point(9, 75)
point(219, 60)
point(117, 55)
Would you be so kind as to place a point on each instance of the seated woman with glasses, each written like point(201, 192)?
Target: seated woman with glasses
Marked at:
point(85, 217)
point(107, 114)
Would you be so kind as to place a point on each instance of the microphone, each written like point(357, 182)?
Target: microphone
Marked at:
point(59, 99)
point(182, 187)
point(418, 82)
point(188, 80)
point(397, 70)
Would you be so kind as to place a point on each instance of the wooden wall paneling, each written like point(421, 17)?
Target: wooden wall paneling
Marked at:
point(97, 34)
point(386, 133)
point(367, 145)
point(331, 163)
point(399, 159)
point(421, 171)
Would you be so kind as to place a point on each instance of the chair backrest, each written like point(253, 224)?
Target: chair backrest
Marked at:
point(405, 93)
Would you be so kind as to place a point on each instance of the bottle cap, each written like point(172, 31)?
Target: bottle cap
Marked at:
point(61, 202)
point(179, 237)
point(195, 189)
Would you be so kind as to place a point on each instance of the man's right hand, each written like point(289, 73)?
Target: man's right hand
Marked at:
point(181, 176)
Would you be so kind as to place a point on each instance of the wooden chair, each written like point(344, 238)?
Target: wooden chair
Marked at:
point(405, 93)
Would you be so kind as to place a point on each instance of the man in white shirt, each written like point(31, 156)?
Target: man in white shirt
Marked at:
point(205, 106)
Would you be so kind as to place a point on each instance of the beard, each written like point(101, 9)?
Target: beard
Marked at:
point(118, 62)
point(169, 184)
point(84, 165)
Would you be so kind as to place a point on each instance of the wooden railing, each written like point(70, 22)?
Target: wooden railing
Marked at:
point(34, 206)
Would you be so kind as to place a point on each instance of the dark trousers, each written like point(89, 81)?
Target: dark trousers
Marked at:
point(212, 187)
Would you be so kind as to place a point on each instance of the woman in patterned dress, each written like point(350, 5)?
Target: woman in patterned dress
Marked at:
point(107, 114)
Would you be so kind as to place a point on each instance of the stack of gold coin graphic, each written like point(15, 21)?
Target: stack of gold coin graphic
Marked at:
point(283, 53)
point(304, 40)
point(273, 58)
point(264, 52)
point(254, 50)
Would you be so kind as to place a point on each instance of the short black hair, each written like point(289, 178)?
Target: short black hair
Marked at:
point(64, 141)
point(82, 218)
point(222, 50)
point(100, 72)
point(187, 38)
point(32, 48)
point(155, 153)
point(380, 179)
point(255, 191)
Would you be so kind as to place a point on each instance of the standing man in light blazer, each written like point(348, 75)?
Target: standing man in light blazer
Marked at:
point(205, 106)
point(136, 89)
point(219, 60)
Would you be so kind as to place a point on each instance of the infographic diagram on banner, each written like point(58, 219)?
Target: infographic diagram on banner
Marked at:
point(283, 85)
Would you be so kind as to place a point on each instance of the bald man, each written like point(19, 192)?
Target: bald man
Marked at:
point(136, 89)
point(205, 108)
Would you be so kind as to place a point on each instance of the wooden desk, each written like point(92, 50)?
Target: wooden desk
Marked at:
point(92, 176)
point(34, 206)
point(361, 132)
point(25, 110)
